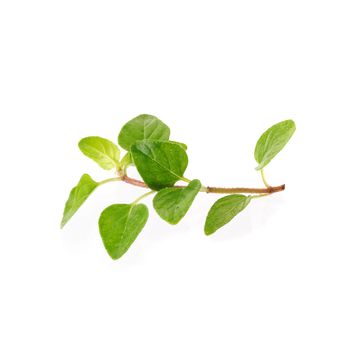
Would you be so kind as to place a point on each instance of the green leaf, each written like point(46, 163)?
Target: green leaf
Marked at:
point(173, 203)
point(272, 141)
point(119, 226)
point(159, 163)
point(182, 145)
point(143, 127)
point(78, 196)
point(224, 210)
point(104, 152)
point(126, 160)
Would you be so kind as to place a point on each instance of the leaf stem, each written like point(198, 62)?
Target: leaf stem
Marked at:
point(184, 179)
point(112, 179)
point(264, 178)
point(134, 182)
point(260, 195)
point(142, 197)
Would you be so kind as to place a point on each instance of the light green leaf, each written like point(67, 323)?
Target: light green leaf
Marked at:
point(78, 196)
point(224, 210)
point(126, 160)
point(159, 163)
point(180, 144)
point(143, 127)
point(104, 152)
point(272, 141)
point(120, 225)
point(173, 203)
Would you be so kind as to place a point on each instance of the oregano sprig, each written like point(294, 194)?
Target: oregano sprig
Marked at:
point(161, 164)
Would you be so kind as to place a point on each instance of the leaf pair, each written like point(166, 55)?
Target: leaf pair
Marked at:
point(270, 143)
point(161, 164)
point(106, 154)
point(120, 224)
point(146, 138)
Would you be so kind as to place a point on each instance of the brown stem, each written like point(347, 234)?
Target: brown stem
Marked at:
point(134, 182)
point(267, 190)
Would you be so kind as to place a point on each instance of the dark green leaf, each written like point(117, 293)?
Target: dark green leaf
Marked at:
point(224, 210)
point(143, 127)
point(78, 196)
point(119, 226)
point(160, 164)
point(173, 203)
point(104, 152)
point(272, 141)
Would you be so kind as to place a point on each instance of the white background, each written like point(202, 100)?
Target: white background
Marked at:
point(218, 73)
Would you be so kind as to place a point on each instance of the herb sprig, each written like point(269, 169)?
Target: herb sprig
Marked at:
point(161, 164)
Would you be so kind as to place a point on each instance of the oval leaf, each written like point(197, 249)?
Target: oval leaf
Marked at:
point(172, 204)
point(143, 127)
point(119, 226)
point(272, 141)
point(224, 210)
point(78, 196)
point(104, 152)
point(160, 164)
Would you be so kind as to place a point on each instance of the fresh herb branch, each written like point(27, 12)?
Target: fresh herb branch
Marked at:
point(161, 163)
